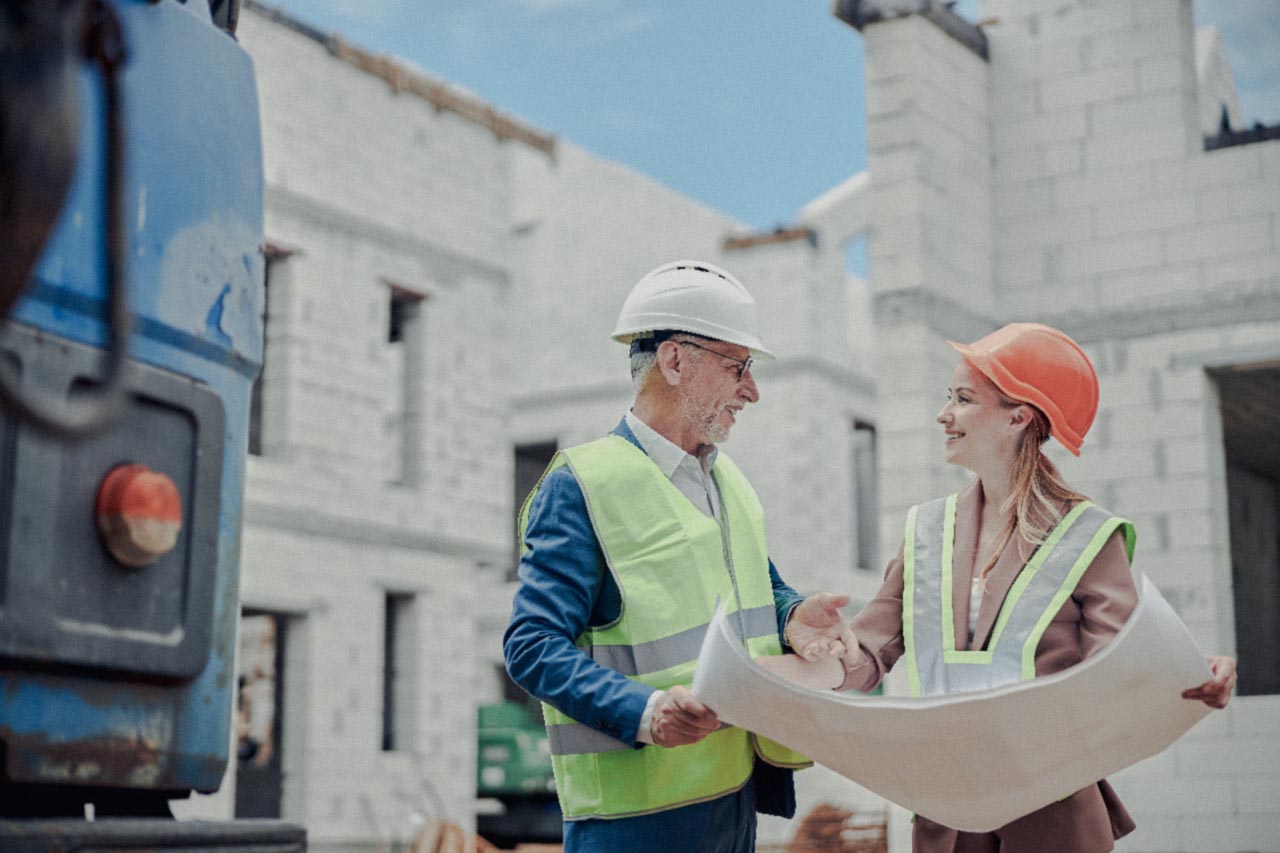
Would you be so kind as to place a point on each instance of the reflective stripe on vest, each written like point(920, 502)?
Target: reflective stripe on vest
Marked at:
point(671, 563)
point(934, 665)
point(655, 655)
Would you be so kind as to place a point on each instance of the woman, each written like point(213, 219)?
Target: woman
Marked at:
point(1011, 392)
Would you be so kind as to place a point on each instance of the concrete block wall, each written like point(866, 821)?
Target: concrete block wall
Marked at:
point(928, 155)
point(436, 221)
point(1088, 101)
point(370, 189)
point(1158, 460)
point(928, 141)
point(586, 230)
point(1112, 222)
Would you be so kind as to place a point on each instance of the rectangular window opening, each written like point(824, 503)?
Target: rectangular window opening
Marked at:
point(260, 679)
point(406, 341)
point(1249, 399)
point(531, 461)
point(866, 498)
point(397, 672)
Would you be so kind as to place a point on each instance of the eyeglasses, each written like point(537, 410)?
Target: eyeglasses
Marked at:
point(743, 364)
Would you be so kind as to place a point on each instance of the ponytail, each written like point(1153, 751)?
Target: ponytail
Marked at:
point(1031, 510)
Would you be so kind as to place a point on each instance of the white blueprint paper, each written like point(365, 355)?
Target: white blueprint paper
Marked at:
point(976, 761)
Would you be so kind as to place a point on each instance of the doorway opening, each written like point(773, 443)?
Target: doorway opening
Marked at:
point(1249, 397)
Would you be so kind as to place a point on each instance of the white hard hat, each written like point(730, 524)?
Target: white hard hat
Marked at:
point(694, 297)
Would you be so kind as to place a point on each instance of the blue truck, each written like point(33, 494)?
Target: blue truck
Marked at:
point(131, 296)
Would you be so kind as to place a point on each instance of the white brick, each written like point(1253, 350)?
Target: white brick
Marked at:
point(1269, 157)
point(1114, 255)
point(1224, 834)
point(1152, 834)
point(1238, 201)
point(1024, 200)
point(1135, 146)
point(1038, 59)
point(1104, 186)
point(1075, 21)
point(1069, 227)
point(1018, 268)
point(1015, 100)
point(889, 97)
point(1164, 73)
point(1152, 40)
point(1075, 90)
point(1139, 288)
point(1148, 214)
point(1042, 128)
point(1256, 715)
point(1017, 165)
point(1063, 158)
point(1224, 166)
point(1144, 112)
point(1220, 239)
point(1189, 456)
point(1181, 795)
point(1256, 794)
point(1245, 272)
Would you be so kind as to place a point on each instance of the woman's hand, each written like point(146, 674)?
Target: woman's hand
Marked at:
point(1216, 692)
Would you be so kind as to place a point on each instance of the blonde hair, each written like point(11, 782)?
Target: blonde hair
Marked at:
point(1031, 510)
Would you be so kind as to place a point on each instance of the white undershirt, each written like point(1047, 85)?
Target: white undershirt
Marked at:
point(975, 602)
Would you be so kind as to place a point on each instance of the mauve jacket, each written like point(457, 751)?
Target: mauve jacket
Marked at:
point(1089, 820)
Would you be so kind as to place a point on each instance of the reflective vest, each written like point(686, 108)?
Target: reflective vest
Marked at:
point(671, 563)
point(934, 665)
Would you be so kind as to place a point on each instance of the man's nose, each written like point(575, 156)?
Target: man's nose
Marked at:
point(747, 387)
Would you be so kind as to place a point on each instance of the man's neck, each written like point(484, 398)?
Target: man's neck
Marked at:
point(666, 423)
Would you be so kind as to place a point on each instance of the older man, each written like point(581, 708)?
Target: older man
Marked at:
point(628, 543)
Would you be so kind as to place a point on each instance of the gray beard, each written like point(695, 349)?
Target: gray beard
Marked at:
point(705, 424)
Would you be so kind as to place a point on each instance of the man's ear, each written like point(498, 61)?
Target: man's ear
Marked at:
point(671, 362)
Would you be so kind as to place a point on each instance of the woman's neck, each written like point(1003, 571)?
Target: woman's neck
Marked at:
point(997, 486)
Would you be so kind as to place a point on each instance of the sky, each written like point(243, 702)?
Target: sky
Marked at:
point(754, 107)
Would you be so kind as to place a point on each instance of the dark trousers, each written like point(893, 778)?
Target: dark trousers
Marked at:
point(724, 825)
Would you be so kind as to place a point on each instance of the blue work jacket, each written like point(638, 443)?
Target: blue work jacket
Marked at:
point(564, 587)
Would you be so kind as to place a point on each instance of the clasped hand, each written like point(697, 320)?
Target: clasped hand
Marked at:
point(816, 629)
point(680, 718)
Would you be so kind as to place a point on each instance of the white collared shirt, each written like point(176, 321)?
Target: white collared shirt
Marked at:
point(690, 474)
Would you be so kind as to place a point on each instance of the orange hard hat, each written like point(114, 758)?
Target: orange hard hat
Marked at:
point(1036, 364)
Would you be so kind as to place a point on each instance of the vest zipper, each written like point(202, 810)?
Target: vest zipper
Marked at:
point(727, 545)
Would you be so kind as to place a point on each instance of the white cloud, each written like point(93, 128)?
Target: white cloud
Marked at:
point(543, 6)
point(612, 30)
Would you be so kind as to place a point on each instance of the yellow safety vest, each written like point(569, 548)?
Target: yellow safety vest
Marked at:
point(671, 563)
point(934, 665)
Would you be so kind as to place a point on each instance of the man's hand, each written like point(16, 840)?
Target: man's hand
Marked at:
point(1216, 692)
point(816, 629)
point(680, 719)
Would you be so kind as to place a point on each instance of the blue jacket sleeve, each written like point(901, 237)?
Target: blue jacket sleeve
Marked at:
point(784, 601)
point(562, 577)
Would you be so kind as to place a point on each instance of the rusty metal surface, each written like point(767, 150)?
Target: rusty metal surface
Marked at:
point(141, 836)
